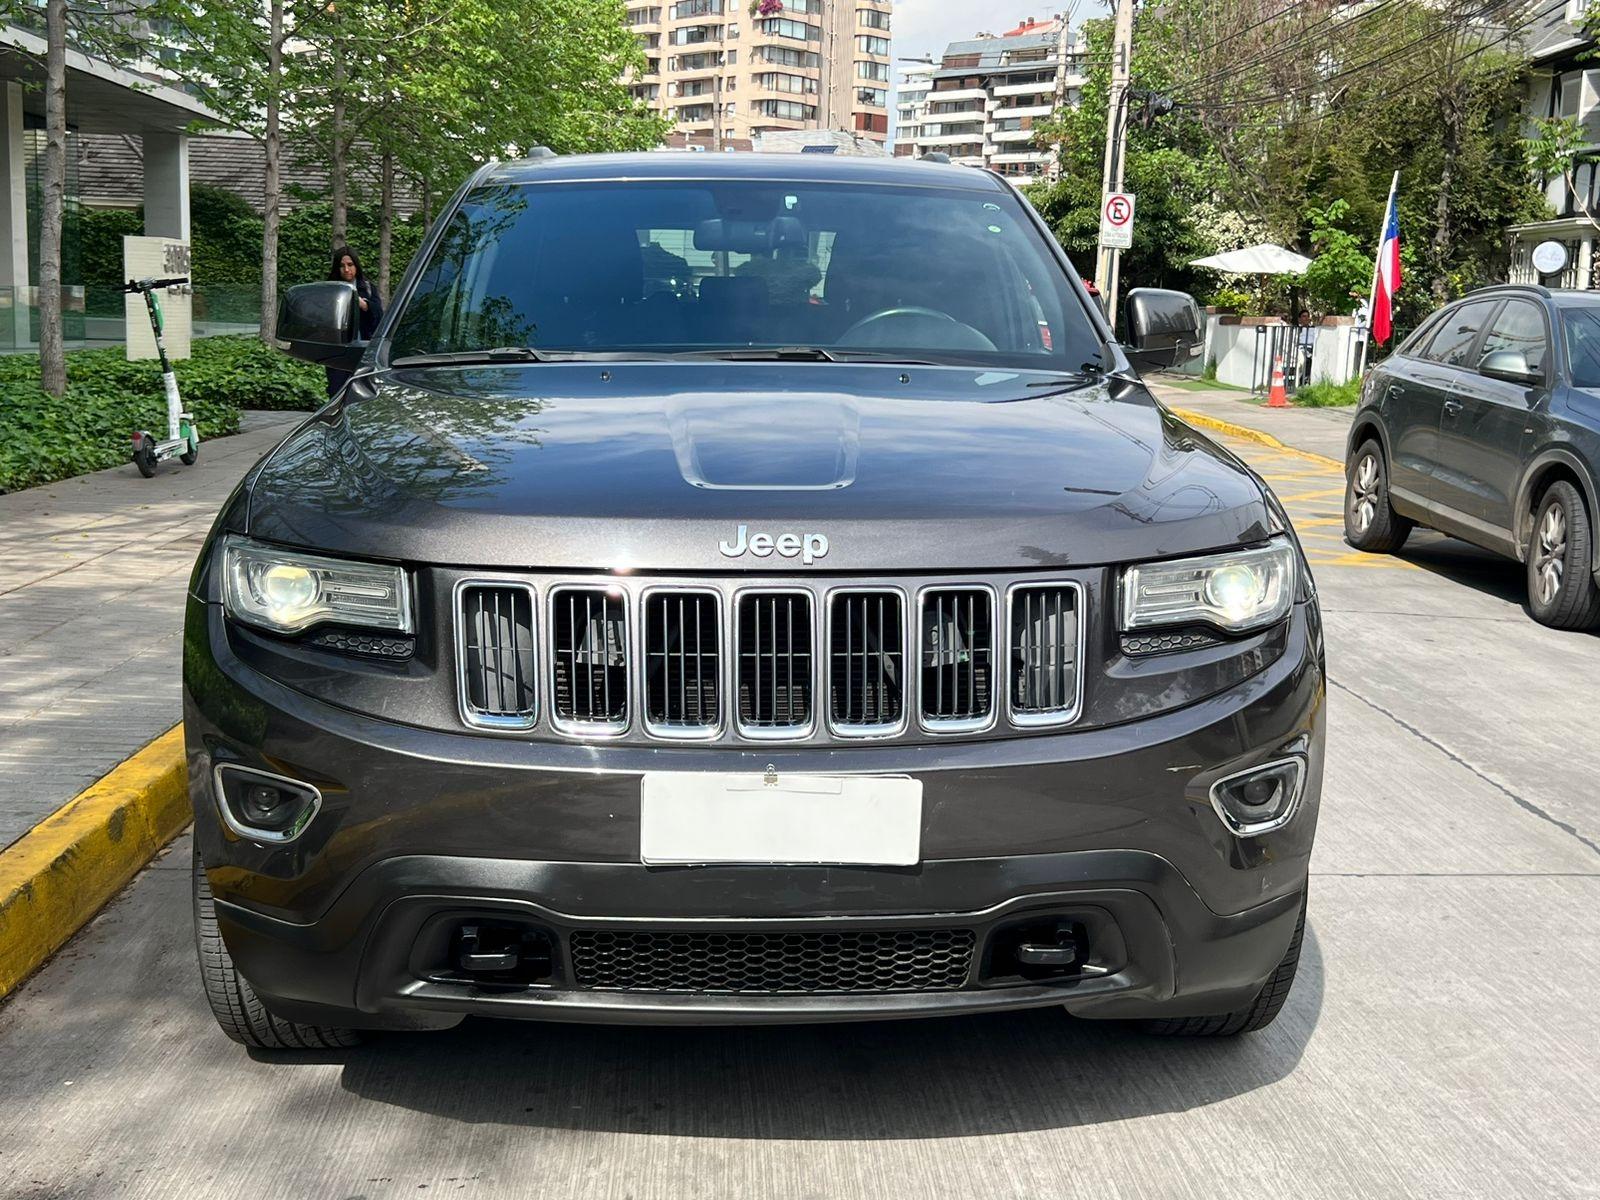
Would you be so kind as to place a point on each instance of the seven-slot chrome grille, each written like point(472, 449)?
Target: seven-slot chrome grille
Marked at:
point(768, 662)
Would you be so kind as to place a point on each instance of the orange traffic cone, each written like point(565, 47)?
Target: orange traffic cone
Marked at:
point(1277, 397)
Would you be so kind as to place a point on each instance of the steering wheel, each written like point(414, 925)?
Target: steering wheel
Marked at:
point(910, 325)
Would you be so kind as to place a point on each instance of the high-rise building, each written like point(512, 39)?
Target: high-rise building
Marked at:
point(988, 95)
point(911, 108)
point(727, 71)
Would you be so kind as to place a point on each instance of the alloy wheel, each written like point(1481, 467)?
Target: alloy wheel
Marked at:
point(1364, 504)
point(1550, 560)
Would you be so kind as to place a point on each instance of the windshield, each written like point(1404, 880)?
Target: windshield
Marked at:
point(699, 267)
point(1583, 344)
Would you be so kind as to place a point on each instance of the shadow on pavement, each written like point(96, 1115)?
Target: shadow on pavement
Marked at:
point(1463, 563)
point(962, 1077)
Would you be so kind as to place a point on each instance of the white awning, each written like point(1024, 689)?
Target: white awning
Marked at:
point(1265, 259)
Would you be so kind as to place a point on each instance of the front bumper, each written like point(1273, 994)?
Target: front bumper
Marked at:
point(1108, 829)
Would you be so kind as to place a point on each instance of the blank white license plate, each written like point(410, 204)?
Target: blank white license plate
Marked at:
point(715, 817)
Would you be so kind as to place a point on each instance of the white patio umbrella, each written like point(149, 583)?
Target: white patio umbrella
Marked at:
point(1265, 259)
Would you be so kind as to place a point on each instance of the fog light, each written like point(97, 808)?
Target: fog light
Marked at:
point(1261, 799)
point(264, 807)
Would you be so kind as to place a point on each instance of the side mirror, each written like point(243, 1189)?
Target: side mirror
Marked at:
point(320, 322)
point(1510, 366)
point(1164, 328)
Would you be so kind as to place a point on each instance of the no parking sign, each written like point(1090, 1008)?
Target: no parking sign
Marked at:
point(1116, 221)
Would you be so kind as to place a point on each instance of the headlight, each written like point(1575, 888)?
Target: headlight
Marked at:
point(286, 591)
point(1236, 591)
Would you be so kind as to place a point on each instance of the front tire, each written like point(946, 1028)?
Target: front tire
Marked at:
point(144, 456)
point(1561, 588)
point(1370, 522)
point(233, 1001)
point(1261, 1011)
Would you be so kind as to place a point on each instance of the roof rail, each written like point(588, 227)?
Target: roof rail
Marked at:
point(1537, 289)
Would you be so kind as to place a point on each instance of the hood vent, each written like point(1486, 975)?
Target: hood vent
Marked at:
point(498, 687)
point(956, 651)
point(1045, 653)
point(589, 660)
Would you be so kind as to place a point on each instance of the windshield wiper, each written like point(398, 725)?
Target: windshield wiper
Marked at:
point(499, 354)
point(1090, 373)
point(811, 354)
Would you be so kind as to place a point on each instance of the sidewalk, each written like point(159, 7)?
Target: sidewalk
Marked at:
point(93, 572)
point(1318, 430)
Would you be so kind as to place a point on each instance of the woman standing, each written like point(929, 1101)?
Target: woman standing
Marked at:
point(347, 269)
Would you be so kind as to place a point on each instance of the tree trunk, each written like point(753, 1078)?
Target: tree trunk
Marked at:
point(1443, 234)
point(52, 350)
point(271, 186)
point(385, 221)
point(336, 166)
point(427, 202)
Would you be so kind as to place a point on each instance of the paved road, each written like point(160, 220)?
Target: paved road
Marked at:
point(1443, 1040)
point(92, 577)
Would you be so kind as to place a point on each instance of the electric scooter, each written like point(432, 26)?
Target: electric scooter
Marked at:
point(183, 438)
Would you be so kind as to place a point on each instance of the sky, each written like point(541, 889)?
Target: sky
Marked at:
point(925, 27)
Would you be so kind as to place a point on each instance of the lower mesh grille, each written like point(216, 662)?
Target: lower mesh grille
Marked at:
point(773, 961)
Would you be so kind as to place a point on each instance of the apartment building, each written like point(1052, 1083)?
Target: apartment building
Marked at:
point(987, 96)
point(736, 69)
point(911, 108)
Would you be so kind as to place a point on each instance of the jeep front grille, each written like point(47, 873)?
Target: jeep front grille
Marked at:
point(866, 661)
point(957, 657)
point(654, 658)
point(772, 961)
point(1044, 653)
point(682, 663)
point(495, 631)
point(773, 669)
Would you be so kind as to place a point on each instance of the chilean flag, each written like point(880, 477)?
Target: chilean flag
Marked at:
point(1388, 275)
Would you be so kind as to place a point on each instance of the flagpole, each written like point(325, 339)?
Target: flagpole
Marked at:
point(1377, 259)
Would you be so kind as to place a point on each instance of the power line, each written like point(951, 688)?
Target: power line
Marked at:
point(1321, 82)
point(1374, 98)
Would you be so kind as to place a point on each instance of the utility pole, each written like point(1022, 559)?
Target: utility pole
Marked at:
point(1105, 276)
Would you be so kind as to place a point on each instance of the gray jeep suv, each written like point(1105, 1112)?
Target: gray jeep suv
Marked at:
point(747, 589)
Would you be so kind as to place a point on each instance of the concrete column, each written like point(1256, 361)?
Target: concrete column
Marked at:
point(13, 220)
point(166, 185)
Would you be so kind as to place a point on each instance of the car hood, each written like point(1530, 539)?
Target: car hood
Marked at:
point(656, 466)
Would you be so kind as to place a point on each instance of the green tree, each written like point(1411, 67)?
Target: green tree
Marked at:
point(1170, 166)
point(1342, 264)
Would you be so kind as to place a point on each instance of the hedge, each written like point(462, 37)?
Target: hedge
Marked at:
point(225, 235)
point(43, 439)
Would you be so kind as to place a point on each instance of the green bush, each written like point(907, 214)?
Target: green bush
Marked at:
point(43, 439)
point(1323, 394)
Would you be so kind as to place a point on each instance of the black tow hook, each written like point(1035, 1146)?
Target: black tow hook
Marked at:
point(476, 960)
point(1062, 952)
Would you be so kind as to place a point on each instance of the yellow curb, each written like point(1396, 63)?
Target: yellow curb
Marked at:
point(1253, 435)
point(60, 873)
